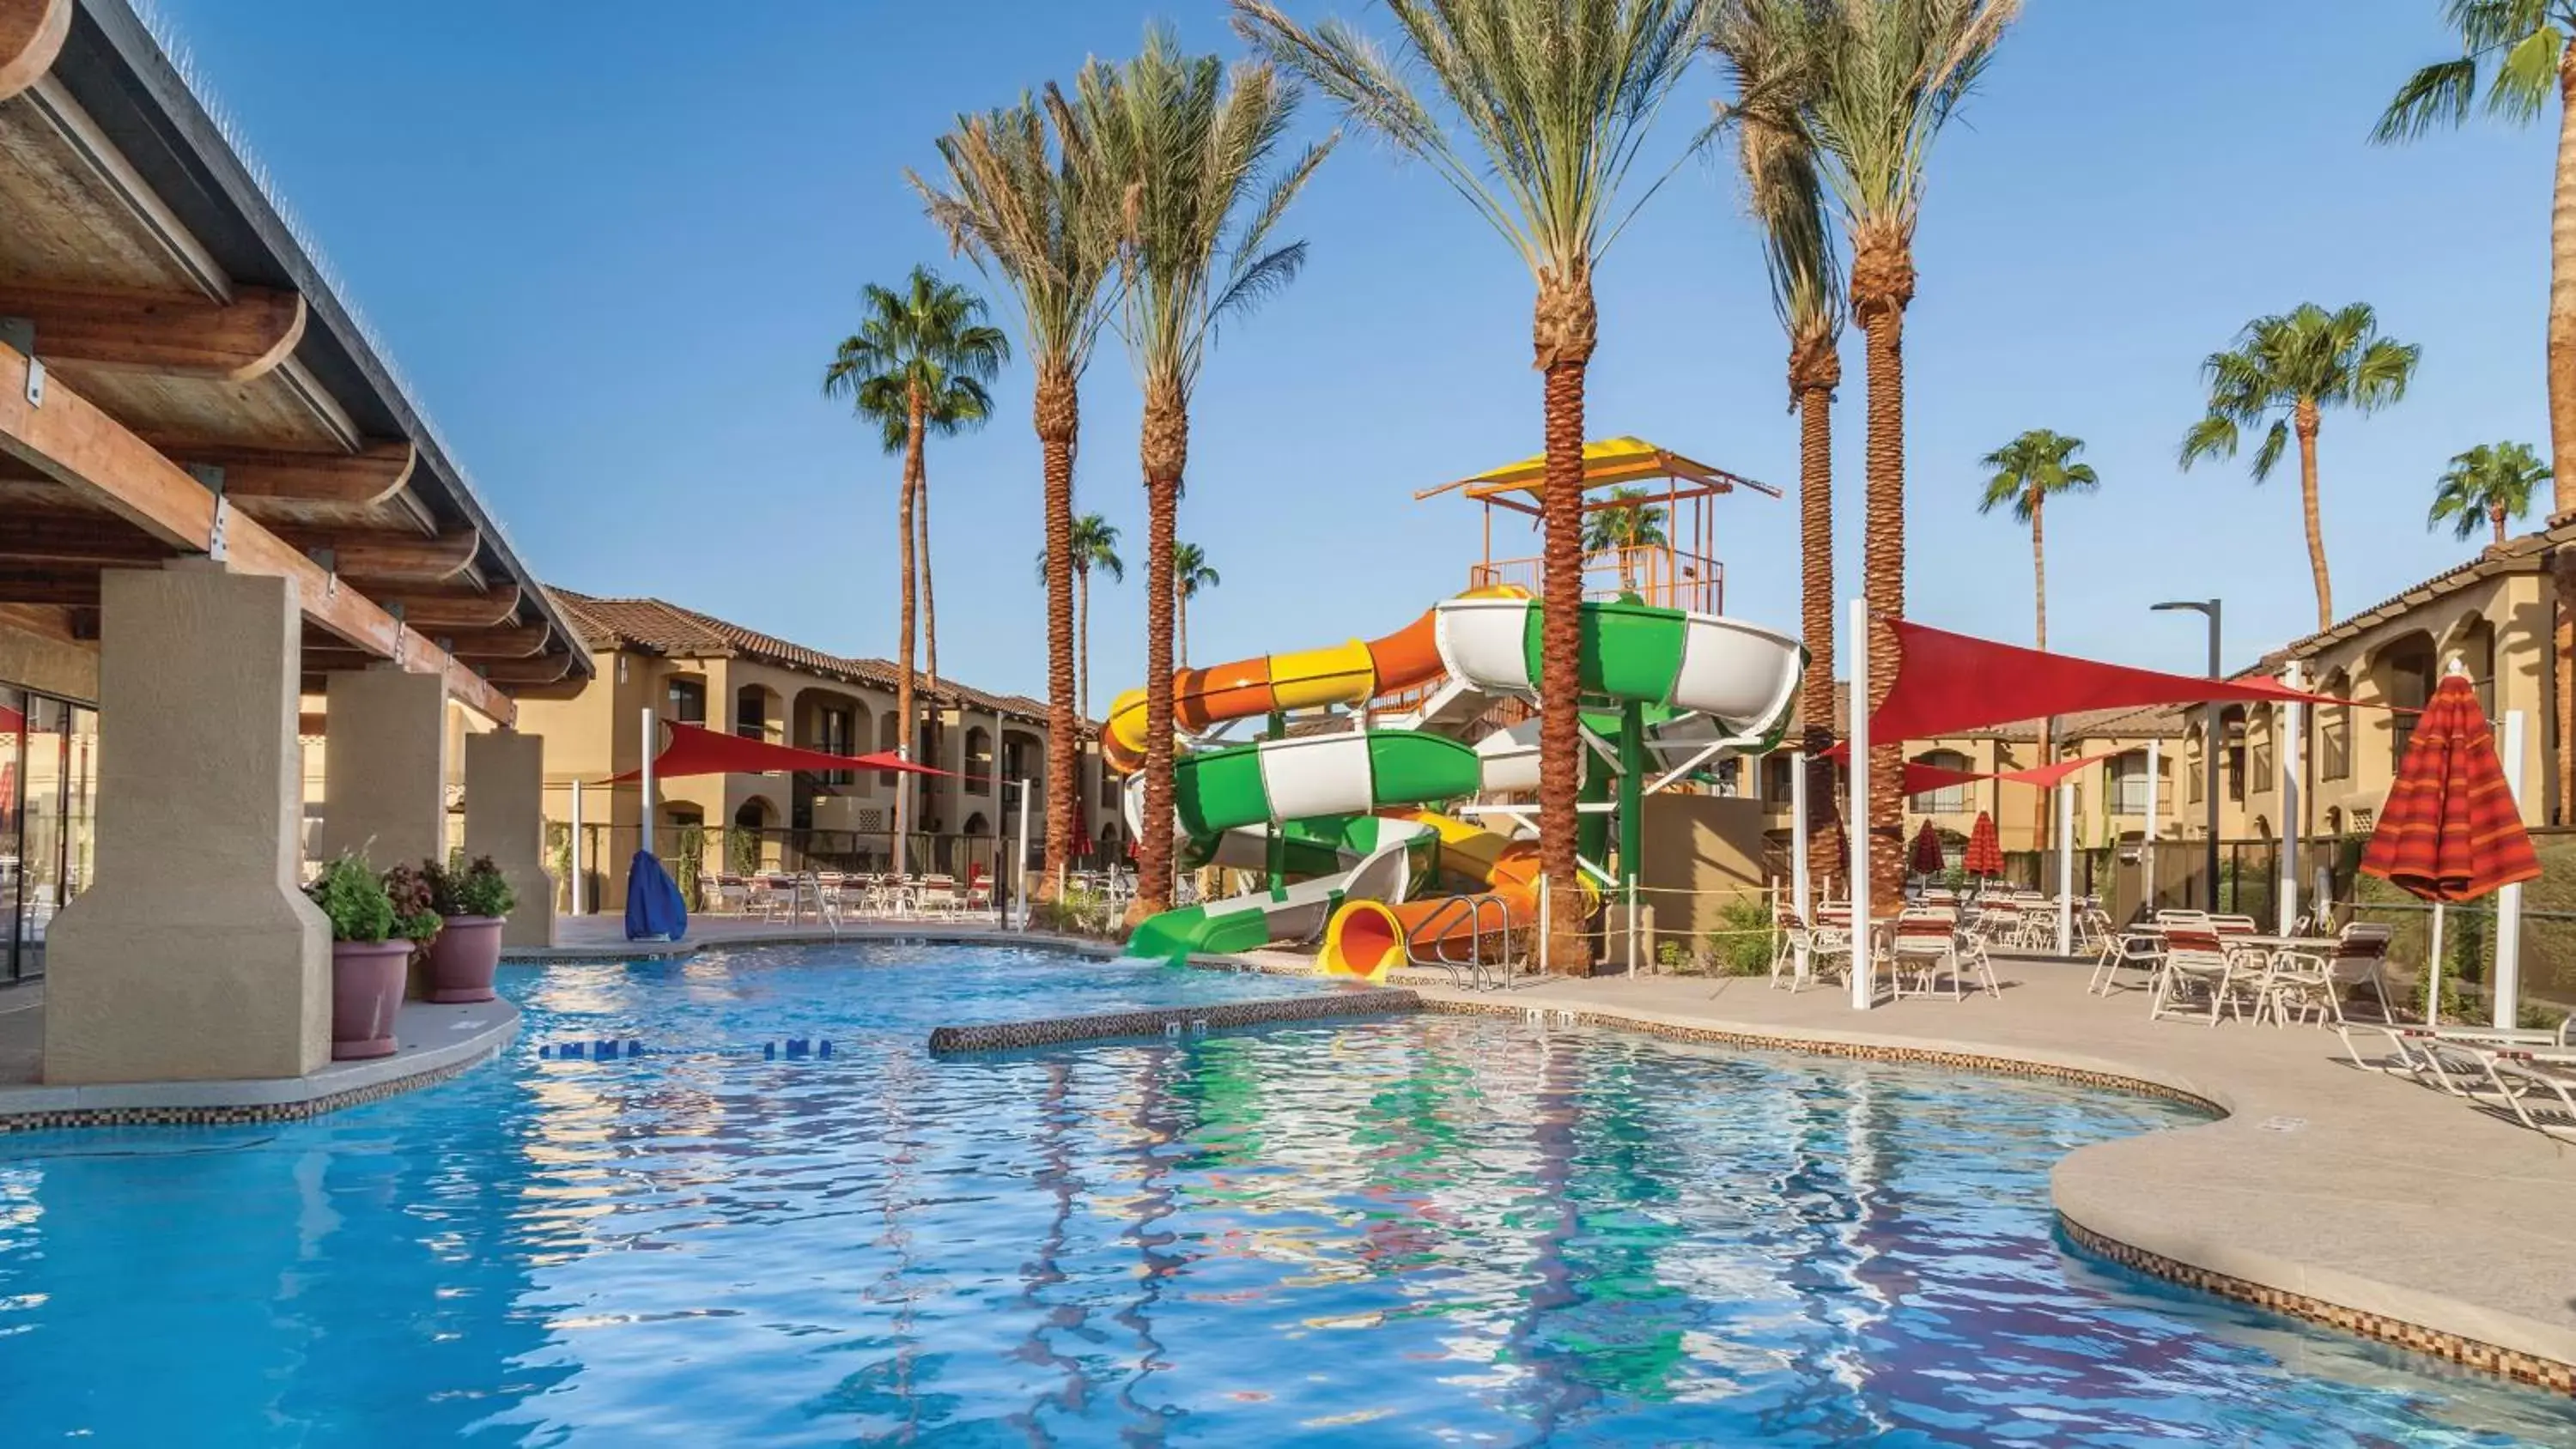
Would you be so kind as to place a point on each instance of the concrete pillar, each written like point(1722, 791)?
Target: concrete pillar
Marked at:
point(505, 818)
point(384, 767)
point(193, 955)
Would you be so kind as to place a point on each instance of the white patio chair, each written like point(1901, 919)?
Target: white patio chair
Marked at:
point(937, 896)
point(2541, 1090)
point(2197, 968)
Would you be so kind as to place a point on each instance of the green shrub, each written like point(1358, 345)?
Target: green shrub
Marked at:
point(1673, 955)
point(476, 889)
point(354, 899)
point(414, 903)
point(1745, 940)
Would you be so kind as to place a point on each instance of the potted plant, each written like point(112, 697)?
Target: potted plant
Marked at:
point(471, 903)
point(368, 958)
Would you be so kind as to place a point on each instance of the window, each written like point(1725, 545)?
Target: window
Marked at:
point(1948, 799)
point(2259, 753)
point(886, 739)
point(751, 712)
point(1777, 787)
point(2199, 776)
point(2334, 730)
point(685, 700)
point(2232, 759)
point(2129, 784)
point(833, 736)
point(979, 761)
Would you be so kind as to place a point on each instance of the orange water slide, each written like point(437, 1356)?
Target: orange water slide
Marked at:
point(1368, 938)
point(1348, 673)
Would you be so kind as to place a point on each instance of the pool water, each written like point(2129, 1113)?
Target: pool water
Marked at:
point(1431, 1230)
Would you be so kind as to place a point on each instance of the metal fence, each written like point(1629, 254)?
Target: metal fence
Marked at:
point(2249, 874)
point(696, 854)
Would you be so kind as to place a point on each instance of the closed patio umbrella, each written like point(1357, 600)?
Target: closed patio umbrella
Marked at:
point(2450, 830)
point(1985, 858)
point(1927, 850)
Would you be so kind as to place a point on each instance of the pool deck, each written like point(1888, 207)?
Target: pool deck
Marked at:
point(434, 1043)
point(2328, 1191)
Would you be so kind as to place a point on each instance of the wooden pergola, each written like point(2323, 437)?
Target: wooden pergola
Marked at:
point(177, 378)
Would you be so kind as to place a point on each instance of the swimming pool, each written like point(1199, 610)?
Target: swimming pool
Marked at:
point(1422, 1230)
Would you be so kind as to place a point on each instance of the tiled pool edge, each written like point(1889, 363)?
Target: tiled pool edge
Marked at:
point(2538, 1370)
point(1156, 1021)
point(201, 1104)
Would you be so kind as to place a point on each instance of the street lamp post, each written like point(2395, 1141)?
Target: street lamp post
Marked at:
point(2209, 742)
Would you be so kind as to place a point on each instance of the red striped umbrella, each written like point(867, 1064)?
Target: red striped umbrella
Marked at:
point(1985, 849)
point(2449, 830)
point(1927, 851)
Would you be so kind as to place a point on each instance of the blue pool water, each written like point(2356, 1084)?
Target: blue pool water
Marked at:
point(1431, 1231)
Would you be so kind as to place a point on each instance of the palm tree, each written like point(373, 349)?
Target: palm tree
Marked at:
point(1027, 214)
point(1548, 104)
point(917, 365)
point(2027, 472)
point(1881, 78)
point(2491, 483)
point(1622, 524)
point(1190, 573)
point(1188, 146)
point(2285, 371)
point(2525, 42)
point(1756, 44)
point(1095, 546)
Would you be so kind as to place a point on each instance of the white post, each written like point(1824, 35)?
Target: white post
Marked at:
point(652, 737)
point(1021, 873)
point(1864, 990)
point(2065, 869)
point(1798, 878)
point(2433, 973)
point(2294, 717)
point(2147, 846)
point(2508, 958)
point(1632, 925)
point(576, 848)
point(1542, 925)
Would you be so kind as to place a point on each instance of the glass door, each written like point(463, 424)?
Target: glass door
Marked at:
point(13, 779)
point(46, 753)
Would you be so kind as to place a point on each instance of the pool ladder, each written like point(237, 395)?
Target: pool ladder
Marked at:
point(1488, 920)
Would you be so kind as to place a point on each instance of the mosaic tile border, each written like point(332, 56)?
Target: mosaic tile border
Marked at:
point(1111, 1026)
point(2456, 1348)
point(1866, 1051)
point(248, 1112)
point(2469, 1352)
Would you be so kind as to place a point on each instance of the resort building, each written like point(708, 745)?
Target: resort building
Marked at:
point(695, 669)
point(224, 525)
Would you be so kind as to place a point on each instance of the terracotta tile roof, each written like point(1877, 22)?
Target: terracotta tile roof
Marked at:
point(659, 627)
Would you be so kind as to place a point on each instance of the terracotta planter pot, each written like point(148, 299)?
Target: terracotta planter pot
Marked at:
point(462, 959)
point(366, 991)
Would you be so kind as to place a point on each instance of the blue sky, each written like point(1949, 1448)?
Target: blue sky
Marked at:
point(613, 246)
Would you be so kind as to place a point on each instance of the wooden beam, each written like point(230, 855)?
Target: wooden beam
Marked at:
point(77, 444)
point(31, 35)
point(520, 643)
point(372, 557)
point(518, 672)
point(65, 539)
point(454, 611)
point(39, 586)
point(187, 336)
point(364, 478)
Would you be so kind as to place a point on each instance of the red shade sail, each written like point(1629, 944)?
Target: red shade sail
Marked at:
point(1946, 683)
point(1985, 849)
point(1923, 779)
point(2449, 830)
point(1926, 859)
point(694, 750)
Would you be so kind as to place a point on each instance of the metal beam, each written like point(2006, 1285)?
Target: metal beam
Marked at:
point(72, 441)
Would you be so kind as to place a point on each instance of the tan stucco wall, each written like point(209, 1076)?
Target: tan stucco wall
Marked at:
point(193, 955)
point(47, 661)
point(505, 819)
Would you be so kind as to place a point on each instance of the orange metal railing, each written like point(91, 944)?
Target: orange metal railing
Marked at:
point(1671, 577)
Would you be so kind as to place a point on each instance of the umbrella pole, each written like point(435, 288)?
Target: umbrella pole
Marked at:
point(576, 847)
point(2147, 851)
point(2065, 870)
point(2433, 972)
point(1863, 955)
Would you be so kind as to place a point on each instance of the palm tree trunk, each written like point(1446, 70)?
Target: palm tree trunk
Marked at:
point(1815, 372)
point(1882, 285)
point(1057, 418)
point(903, 701)
point(2304, 422)
point(1563, 330)
point(930, 634)
point(2042, 827)
point(1165, 455)
point(2496, 517)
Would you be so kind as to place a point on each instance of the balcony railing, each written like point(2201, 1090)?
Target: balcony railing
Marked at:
point(1672, 577)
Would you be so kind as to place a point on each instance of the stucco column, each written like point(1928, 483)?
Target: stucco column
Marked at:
point(193, 954)
point(505, 818)
point(384, 767)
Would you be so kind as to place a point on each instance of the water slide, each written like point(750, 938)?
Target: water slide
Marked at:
point(1684, 685)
